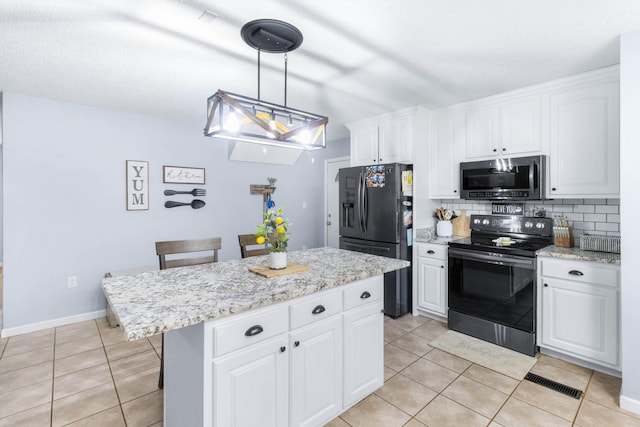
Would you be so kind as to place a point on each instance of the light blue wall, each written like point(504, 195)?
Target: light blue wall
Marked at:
point(64, 200)
point(629, 208)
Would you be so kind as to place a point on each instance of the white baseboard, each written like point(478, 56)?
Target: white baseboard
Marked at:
point(629, 404)
point(33, 327)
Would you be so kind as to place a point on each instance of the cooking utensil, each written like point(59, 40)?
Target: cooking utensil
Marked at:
point(194, 192)
point(195, 204)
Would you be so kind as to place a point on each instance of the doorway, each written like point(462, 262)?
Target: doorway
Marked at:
point(331, 191)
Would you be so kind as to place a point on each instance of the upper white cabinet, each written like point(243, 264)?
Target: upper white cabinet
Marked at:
point(447, 135)
point(584, 158)
point(385, 139)
point(507, 129)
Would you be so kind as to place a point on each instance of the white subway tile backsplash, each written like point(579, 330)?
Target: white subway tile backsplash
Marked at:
point(595, 217)
point(608, 209)
point(584, 226)
point(575, 217)
point(584, 208)
point(606, 226)
point(563, 208)
point(613, 202)
point(613, 218)
point(595, 201)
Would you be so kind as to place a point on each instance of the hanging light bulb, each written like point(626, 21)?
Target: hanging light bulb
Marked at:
point(233, 122)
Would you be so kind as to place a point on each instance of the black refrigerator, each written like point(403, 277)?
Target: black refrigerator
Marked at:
point(376, 217)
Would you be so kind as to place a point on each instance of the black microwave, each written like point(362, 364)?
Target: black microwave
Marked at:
point(518, 178)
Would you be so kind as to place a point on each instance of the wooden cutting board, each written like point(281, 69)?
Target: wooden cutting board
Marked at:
point(265, 271)
point(461, 225)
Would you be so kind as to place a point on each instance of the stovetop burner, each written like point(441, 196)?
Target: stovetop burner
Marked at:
point(507, 234)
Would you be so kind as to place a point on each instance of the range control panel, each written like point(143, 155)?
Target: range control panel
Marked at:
point(512, 224)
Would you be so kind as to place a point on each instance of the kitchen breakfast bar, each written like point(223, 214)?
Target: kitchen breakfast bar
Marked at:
point(245, 350)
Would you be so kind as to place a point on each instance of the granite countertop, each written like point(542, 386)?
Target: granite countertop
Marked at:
point(579, 254)
point(153, 302)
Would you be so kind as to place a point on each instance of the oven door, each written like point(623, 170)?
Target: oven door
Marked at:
point(492, 286)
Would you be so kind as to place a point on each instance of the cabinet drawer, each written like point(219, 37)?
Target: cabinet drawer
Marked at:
point(577, 271)
point(251, 329)
point(433, 251)
point(363, 292)
point(316, 308)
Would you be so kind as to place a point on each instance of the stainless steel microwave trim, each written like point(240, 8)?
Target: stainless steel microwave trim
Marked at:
point(534, 191)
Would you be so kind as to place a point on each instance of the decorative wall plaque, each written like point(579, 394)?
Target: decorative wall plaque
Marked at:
point(137, 185)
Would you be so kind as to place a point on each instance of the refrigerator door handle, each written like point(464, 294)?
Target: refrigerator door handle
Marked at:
point(361, 202)
point(365, 207)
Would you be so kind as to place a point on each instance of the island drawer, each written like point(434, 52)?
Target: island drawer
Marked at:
point(250, 329)
point(580, 271)
point(316, 308)
point(363, 292)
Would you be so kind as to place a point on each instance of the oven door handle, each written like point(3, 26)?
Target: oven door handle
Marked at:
point(511, 261)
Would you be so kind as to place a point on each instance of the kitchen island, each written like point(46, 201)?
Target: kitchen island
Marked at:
point(241, 349)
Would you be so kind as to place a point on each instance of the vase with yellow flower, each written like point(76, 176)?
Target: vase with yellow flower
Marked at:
point(273, 233)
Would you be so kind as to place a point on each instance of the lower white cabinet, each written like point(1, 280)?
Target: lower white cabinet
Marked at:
point(430, 280)
point(297, 363)
point(578, 310)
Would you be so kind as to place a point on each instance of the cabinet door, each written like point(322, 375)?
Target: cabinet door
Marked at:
point(482, 133)
point(446, 142)
point(316, 372)
point(521, 127)
point(395, 139)
point(585, 142)
point(363, 352)
point(251, 386)
point(364, 145)
point(580, 319)
point(432, 286)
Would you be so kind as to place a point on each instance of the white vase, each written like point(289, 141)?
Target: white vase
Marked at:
point(444, 229)
point(277, 260)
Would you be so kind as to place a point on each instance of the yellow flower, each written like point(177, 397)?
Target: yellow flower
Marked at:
point(281, 230)
point(266, 221)
point(278, 220)
point(260, 240)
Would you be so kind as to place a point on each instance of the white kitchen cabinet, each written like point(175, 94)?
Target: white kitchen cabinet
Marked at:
point(506, 129)
point(447, 136)
point(251, 386)
point(584, 141)
point(316, 359)
point(363, 351)
point(385, 139)
point(578, 310)
point(430, 280)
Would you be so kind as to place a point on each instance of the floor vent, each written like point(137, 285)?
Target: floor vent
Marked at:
point(545, 382)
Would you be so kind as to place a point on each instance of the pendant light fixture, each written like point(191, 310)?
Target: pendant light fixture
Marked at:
point(240, 118)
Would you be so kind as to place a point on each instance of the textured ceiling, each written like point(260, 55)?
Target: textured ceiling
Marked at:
point(358, 58)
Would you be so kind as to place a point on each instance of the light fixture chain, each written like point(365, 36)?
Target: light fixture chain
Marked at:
point(285, 78)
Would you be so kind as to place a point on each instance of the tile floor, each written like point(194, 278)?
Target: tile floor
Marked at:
point(84, 374)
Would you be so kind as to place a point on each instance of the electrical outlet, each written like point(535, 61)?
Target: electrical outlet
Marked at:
point(72, 281)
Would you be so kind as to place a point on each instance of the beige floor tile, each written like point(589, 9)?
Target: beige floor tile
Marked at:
point(448, 360)
point(145, 410)
point(86, 403)
point(430, 330)
point(24, 398)
point(567, 366)
point(477, 396)
point(406, 394)
point(24, 346)
point(397, 358)
point(25, 360)
point(20, 377)
point(429, 374)
point(414, 423)
point(391, 333)
point(516, 413)
point(156, 342)
point(413, 344)
point(135, 363)
point(87, 324)
point(375, 412)
point(78, 346)
point(78, 362)
point(32, 335)
point(551, 401)
point(103, 323)
point(158, 424)
point(3, 343)
point(112, 336)
point(495, 424)
point(127, 348)
point(561, 375)
point(592, 414)
point(408, 322)
point(78, 381)
point(111, 417)
point(137, 385)
point(337, 422)
point(388, 373)
point(491, 378)
point(37, 416)
point(604, 389)
point(76, 334)
point(443, 412)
